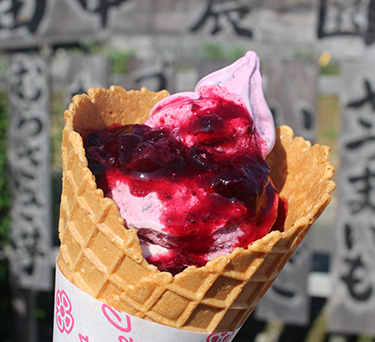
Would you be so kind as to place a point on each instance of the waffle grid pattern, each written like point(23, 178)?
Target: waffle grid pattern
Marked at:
point(103, 259)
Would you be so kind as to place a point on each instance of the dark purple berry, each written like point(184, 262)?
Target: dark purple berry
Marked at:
point(154, 155)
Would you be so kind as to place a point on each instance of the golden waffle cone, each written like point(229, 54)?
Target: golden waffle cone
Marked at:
point(105, 260)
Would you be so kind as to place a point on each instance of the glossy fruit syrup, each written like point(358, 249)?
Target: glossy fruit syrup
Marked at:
point(208, 175)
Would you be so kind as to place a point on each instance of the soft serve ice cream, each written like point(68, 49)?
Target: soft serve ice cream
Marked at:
point(192, 179)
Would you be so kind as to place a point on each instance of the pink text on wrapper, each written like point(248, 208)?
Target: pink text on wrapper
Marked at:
point(83, 338)
point(115, 319)
point(220, 337)
point(64, 317)
point(124, 339)
point(120, 338)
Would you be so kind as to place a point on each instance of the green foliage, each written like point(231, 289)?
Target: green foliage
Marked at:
point(58, 107)
point(119, 58)
point(5, 202)
point(303, 54)
point(331, 69)
point(364, 338)
point(3, 64)
point(236, 52)
point(5, 198)
point(120, 61)
point(213, 50)
point(93, 47)
point(40, 313)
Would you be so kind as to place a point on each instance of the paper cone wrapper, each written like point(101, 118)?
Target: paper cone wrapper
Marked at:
point(102, 258)
point(78, 317)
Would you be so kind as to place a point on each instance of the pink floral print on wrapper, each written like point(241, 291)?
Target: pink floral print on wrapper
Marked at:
point(64, 317)
point(220, 337)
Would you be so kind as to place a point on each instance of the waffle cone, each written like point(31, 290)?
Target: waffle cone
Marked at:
point(105, 260)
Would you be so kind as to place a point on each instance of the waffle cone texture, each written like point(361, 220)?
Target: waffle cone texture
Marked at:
point(104, 259)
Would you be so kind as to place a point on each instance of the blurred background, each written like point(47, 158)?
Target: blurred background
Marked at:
point(318, 62)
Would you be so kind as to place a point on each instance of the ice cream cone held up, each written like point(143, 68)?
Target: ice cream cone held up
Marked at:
point(101, 252)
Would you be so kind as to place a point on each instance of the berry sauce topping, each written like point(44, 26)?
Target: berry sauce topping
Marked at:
point(203, 182)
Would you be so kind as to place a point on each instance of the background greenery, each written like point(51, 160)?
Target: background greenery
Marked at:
point(5, 202)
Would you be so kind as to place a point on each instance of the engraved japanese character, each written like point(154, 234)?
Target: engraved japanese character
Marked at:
point(100, 7)
point(230, 11)
point(369, 97)
point(14, 12)
point(355, 279)
point(365, 190)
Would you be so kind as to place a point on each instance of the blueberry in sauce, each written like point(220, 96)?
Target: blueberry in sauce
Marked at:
point(213, 155)
point(209, 129)
point(150, 156)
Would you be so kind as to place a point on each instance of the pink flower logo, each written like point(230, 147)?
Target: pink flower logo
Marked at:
point(64, 318)
point(220, 337)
